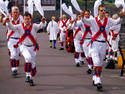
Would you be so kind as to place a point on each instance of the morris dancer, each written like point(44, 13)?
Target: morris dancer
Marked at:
point(114, 40)
point(27, 43)
point(77, 36)
point(63, 28)
point(13, 38)
point(100, 28)
point(85, 40)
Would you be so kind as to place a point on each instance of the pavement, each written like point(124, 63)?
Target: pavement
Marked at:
point(56, 73)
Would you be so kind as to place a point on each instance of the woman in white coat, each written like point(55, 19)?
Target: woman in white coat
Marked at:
point(52, 30)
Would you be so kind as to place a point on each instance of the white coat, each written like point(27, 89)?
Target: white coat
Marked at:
point(53, 29)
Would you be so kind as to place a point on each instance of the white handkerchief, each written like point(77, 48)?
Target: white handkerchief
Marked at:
point(119, 3)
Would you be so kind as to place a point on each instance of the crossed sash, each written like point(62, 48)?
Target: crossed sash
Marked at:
point(79, 29)
point(114, 36)
point(29, 35)
point(101, 30)
point(87, 30)
point(12, 32)
point(64, 23)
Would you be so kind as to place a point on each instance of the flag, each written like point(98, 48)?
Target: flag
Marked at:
point(119, 3)
point(39, 7)
point(30, 6)
point(3, 8)
point(70, 9)
point(66, 9)
point(76, 6)
point(96, 5)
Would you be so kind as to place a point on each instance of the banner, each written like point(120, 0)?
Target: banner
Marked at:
point(3, 8)
point(76, 6)
point(37, 4)
point(66, 9)
point(96, 5)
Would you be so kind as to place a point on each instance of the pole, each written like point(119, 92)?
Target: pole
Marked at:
point(60, 8)
point(86, 5)
point(16, 2)
point(24, 6)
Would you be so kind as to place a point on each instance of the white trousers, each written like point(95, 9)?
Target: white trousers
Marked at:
point(14, 52)
point(62, 36)
point(78, 49)
point(97, 52)
point(78, 46)
point(86, 49)
point(29, 54)
point(114, 45)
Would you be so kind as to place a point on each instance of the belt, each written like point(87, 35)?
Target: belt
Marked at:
point(87, 38)
point(100, 41)
point(29, 45)
point(14, 38)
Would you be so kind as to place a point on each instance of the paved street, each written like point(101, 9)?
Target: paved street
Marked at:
point(56, 74)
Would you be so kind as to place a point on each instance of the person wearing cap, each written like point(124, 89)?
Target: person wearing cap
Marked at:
point(52, 30)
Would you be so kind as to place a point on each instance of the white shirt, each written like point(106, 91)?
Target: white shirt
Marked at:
point(116, 30)
point(88, 34)
point(19, 28)
point(75, 26)
point(94, 26)
point(16, 34)
point(61, 24)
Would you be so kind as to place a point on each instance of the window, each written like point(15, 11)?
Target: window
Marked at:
point(48, 2)
point(26, 1)
point(20, 1)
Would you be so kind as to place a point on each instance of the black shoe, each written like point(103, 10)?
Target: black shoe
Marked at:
point(94, 83)
point(116, 62)
point(27, 79)
point(110, 64)
point(105, 59)
point(82, 62)
point(61, 49)
point(14, 73)
point(99, 86)
point(50, 46)
point(54, 47)
point(77, 65)
point(31, 82)
point(89, 71)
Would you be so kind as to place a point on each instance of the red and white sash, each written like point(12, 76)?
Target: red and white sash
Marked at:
point(114, 36)
point(14, 23)
point(29, 35)
point(79, 29)
point(101, 30)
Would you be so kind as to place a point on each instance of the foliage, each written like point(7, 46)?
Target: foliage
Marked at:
point(81, 3)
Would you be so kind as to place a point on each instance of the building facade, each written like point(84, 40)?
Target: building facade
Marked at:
point(43, 2)
point(46, 4)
